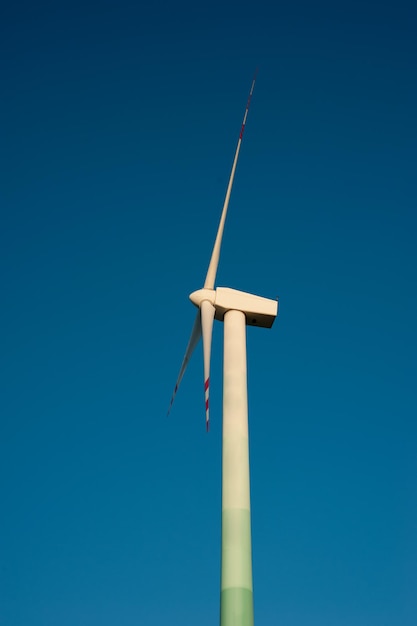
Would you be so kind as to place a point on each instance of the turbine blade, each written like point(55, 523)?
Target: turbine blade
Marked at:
point(215, 256)
point(207, 318)
point(194, 338)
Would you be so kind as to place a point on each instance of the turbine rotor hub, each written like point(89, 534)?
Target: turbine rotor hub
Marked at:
point(197, 297)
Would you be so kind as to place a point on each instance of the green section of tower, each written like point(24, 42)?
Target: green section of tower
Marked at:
point(236, 549)
point(236, 607)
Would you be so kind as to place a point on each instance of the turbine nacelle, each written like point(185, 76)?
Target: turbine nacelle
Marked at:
point(258, 311)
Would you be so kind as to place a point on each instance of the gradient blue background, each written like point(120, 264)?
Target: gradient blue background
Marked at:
point(119, 124)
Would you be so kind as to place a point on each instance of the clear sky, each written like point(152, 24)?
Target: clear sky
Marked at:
point(119, 125)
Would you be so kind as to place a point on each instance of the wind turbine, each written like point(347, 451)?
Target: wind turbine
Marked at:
point(237, 309)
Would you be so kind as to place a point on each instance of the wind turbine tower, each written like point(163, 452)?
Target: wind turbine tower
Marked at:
point(237, 309)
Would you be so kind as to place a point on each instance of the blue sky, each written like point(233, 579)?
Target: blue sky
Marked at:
point(119, 125)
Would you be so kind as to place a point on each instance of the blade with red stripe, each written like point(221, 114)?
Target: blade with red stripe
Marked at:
point(207, 318)
point(215, 255)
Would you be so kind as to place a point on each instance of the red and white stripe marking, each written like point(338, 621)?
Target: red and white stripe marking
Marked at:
point(206, 397)
point(172, 399)
point(247, 106)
